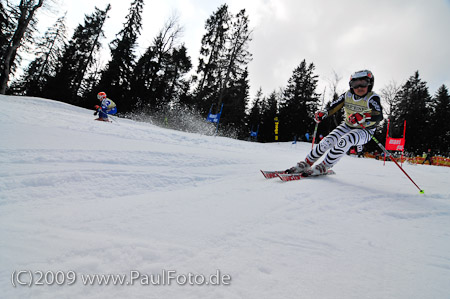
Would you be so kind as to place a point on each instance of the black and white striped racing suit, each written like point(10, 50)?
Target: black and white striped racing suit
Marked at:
point(346, 135)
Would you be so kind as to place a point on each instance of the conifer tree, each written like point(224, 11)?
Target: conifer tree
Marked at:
point(6, 31)
point(159, 73)
point(255, 113)
point(207, 78)
point(25, 17)
point(413, 105)
point(299, 103)
point(49, 51)
point(269, 110)
point(330, 123)
point(117, 76)
point(234, 108)
point(67, 84)
point(440, 124)
point(234, 63)
point(175, 85)
point(223, 58)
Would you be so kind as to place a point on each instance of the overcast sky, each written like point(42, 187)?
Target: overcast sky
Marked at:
point(393, 38)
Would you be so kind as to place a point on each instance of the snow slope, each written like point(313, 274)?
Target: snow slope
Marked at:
point(111, 198)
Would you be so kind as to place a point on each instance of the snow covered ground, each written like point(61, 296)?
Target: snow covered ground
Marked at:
point(80, 197)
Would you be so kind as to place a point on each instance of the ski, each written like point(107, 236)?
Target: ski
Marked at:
point(108, 121)
point(270, 174)
point(287, 177)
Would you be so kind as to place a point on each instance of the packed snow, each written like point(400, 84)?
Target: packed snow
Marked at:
point(80, 197)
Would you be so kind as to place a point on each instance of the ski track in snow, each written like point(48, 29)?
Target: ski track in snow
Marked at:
point(108, 198)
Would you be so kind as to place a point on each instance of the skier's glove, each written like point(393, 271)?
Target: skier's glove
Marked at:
point(96, 112)
point(97, 107)
point(320, 115)
point(358, 118)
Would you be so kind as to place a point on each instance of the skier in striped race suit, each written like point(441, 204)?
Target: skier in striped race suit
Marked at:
point(361, 106)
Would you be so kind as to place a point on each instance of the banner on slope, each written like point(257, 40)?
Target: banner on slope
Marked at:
point(396, 144)
point(214, 118)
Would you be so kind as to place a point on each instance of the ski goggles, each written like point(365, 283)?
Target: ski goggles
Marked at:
point(359, 83)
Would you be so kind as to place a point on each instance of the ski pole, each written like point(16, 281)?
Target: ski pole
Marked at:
point(113, 118)
point(388, 154)
point(314, 135)
point(317, 124)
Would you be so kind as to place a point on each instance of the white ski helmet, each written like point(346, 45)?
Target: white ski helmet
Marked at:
point(363, 74)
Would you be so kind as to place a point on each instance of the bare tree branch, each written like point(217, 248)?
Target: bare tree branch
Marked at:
point(389, 95)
